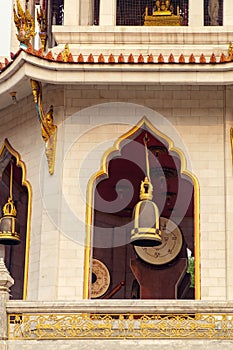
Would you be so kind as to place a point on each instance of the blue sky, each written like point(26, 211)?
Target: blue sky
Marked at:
point(5, 20)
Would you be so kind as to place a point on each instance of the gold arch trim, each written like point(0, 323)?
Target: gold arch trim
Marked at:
point(21, 164)
point(144, 122)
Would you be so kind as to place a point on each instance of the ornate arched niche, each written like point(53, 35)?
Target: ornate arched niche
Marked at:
point(114, 192)
point(16, 256)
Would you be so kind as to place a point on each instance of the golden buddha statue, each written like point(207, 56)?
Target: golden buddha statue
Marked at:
point(162, 6)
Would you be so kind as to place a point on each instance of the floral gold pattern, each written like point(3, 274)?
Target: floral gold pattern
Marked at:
point(113, 326)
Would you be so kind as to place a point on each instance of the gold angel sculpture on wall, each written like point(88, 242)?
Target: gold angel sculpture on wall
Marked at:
point(48, 128)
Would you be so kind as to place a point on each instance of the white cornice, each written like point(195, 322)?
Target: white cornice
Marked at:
point(145, 35)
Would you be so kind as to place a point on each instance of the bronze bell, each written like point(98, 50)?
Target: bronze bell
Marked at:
point(146, 230)
point(9, 226)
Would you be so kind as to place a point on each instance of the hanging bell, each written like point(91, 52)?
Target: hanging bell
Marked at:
point(9, 226)
point(146, 230)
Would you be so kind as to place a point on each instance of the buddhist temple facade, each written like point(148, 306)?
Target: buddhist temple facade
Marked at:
point(116, 184)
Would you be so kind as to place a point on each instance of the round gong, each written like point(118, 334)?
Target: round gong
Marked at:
point(169, 249)
point(100, 279)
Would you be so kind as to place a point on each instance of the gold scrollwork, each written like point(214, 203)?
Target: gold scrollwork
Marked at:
point(113, 326)
point(48, 128)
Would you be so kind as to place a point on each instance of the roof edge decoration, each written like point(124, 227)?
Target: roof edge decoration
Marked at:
point(95, 69)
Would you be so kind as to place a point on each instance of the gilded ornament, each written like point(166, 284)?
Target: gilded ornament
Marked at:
point(25, 24)
point(29, 326)
point(65, 53)
point(48, 128)
point(42, 21)
point(230, 51)
point(163, 15)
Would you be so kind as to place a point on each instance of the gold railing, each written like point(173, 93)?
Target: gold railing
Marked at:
point(22, 326)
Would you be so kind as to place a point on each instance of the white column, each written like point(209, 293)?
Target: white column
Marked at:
point(72, 12)
point(196, 13)
point(6, 281)
point(107, 13)
point(227, 12)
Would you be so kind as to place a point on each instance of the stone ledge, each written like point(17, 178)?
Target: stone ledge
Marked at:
point(121, 306)
point(142, 35)
point(123, 344)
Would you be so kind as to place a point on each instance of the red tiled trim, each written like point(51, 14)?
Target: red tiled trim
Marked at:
point(121, 59)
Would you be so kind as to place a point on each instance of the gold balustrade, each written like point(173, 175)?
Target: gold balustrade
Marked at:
point(75, 325)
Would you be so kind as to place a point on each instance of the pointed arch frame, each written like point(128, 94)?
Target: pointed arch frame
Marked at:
point(6, 145)
point(103, 171)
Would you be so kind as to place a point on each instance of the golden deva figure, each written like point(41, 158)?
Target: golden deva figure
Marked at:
point(46, 121)
point(48, 128)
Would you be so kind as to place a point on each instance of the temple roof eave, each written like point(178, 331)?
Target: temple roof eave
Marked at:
point(25, 66)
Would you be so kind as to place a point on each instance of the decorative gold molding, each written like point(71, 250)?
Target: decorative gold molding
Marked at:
point(117, 326)
point(104, 172)
point(25, 24)
point(48, 128)
point(156, 20)
point(20, 163)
